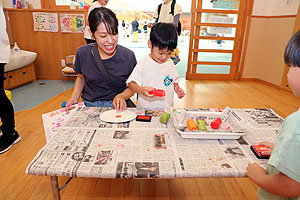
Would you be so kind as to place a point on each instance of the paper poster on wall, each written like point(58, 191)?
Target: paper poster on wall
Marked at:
point(72, 23)
point(45, 22)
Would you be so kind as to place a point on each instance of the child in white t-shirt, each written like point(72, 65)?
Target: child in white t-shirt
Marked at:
point(157, 70)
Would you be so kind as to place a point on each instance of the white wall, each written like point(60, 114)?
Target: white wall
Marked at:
point(268, 38)
point(146, 5)
point(261, 7)
point(138, 4)
point(275, 7)
point(9, 3)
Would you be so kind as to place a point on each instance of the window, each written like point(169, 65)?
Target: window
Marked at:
point(62, 2)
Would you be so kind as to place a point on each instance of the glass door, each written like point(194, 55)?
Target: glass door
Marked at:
point(216, 38)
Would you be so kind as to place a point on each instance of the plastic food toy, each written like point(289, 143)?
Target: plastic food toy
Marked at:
point(216, 123)
point(259, 149)
point(64, 104)
point(158, 92)
point(164, 118)
point(192, 126)
point(201, 125)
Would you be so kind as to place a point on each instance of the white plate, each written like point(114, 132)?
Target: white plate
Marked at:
point(113, 116)
point(210, 135)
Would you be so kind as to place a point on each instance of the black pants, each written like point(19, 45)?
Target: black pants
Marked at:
point(6, 108)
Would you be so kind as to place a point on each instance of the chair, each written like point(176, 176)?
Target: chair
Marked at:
point(68, 70)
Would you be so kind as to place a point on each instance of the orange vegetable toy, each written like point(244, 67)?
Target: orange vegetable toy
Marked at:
point(192, 126)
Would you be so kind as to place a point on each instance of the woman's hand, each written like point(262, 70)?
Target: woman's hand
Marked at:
point(254, 170)
point(119, 103)
point(79, 84)
point(69, 105)
point(119, 100)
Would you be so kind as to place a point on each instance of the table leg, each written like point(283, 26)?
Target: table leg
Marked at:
point(55, 188)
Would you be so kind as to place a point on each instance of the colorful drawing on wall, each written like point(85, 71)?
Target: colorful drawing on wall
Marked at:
point(45, 22)
point(72, 23)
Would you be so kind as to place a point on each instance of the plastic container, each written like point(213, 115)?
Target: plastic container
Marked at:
point(19, 5)
point(72, 5)
point(16, 49)
point(81, 4)
point(14, 3)
point(25, 4)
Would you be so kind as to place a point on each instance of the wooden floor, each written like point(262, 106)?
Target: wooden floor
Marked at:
point(14, 184)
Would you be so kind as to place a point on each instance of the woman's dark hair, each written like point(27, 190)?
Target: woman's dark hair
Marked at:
point(292, 51)
point(105, 15)
point(164, 35)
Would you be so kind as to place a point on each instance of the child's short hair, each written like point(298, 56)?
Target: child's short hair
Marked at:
point(105, 15)
point(164, 35)
point(292, 51)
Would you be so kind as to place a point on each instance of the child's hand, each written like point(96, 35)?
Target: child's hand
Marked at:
point(179, 91)
point(268, 144)
point(145, 91)
point(254, 170)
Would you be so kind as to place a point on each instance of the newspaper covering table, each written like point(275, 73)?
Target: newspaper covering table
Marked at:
point(85, 146)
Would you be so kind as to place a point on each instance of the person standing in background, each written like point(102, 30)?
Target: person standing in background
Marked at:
point(135, 29)
point(9, 135)
point(169, 12)
point(145, 27)
point(163, 12)
point(175, 56)
point(96, 4)
point(123, 24)
point(123, 28)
